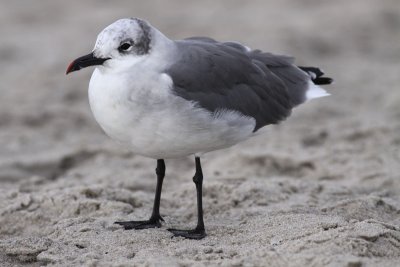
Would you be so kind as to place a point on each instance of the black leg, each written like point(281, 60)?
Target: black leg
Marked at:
point(199, 232)
point(155, 217)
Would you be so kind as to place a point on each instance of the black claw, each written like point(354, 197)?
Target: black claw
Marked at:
point(189, 234)
point(139, 225)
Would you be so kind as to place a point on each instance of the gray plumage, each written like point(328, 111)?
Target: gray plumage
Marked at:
point(228, 76)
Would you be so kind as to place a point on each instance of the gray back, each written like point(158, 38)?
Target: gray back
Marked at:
point(218, 76)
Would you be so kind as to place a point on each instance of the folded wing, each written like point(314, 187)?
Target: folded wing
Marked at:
point(228, 76)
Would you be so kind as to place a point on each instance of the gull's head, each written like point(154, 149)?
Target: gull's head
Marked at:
point(124, 41)
point(124, 38)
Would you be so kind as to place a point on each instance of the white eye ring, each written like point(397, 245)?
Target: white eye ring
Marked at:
point(125, 47)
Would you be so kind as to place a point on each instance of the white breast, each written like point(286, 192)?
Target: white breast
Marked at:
point(141, 112)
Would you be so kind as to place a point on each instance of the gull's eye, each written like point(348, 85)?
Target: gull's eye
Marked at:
point(125, 47)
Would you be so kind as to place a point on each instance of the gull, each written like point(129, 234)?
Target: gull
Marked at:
point(166, 98)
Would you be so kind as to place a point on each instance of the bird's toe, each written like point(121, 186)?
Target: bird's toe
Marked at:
point(189, 234)
point(138, 225)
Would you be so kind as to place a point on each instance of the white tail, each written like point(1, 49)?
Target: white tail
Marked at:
point(314, 91)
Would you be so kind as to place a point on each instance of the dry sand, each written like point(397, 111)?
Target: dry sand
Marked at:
point(321, 189)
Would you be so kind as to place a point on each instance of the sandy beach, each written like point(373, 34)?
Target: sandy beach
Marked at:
point(320, 189)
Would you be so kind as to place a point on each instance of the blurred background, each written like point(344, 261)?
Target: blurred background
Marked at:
point(342, 150)
point(357, 43)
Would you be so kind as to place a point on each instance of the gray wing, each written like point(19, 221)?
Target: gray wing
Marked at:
point(226, 76)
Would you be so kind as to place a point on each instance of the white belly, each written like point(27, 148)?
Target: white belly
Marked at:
point(153, 122)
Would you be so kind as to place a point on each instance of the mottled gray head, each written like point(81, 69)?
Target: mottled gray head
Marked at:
point(123, 38)
point(126, 40)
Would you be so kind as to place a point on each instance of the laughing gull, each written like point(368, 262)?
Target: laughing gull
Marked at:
point(169, 99)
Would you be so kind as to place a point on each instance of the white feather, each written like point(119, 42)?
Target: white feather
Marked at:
point(314, 91)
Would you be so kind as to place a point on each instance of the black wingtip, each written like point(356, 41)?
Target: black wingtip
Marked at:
point(316, 75)
point(322, 80)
